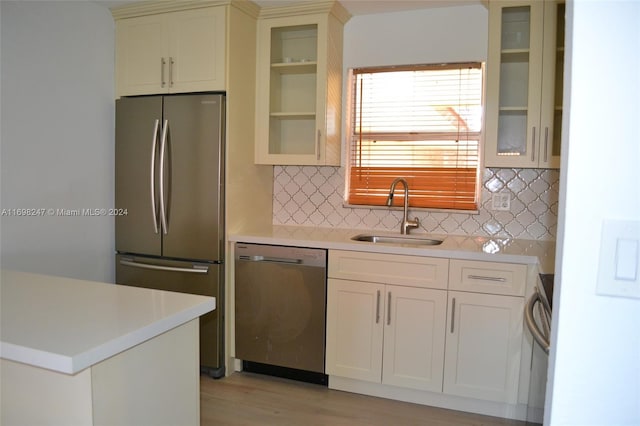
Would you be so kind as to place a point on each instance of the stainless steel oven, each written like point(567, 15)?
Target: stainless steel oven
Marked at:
point(280, 309)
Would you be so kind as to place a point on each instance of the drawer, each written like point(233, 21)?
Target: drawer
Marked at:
point(509, 279)
point(414, 271)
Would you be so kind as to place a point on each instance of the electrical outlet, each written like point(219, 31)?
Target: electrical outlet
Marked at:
point(501, 201)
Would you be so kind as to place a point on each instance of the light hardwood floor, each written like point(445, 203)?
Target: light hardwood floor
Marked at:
point(254, 399)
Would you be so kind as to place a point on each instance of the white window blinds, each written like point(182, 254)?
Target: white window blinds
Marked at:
point(422, 123)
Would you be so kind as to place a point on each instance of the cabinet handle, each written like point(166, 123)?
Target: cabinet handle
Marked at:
point(480, 277)
point(171, 62)
point(533, 143)
point(318, 145)
point(378, 307)
point(389, 308)
point(453, 313)
point(546, 142)
point(162, 64)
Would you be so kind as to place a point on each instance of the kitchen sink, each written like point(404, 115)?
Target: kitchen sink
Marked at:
point(397, 239)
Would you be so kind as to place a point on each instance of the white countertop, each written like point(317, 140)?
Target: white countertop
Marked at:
point(537, 252)
point(67, 325)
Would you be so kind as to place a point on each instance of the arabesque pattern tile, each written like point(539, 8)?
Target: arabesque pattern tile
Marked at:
point(314, 196)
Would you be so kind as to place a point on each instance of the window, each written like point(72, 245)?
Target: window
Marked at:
point(420, 122)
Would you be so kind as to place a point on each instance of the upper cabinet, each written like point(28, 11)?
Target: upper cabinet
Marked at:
point(172, 52)
point(299, 84)
point(524, 84)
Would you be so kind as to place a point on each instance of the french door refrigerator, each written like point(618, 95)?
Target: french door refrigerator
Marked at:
point(169, 185)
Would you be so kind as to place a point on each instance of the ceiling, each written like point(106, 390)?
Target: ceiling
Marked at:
point(355, 7)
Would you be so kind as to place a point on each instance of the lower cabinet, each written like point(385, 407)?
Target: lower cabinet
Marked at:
point(483, 346)
point(390, 323)
point(386, 334)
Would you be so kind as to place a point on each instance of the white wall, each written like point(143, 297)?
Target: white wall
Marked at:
point(595, 359)
point(448, 34)
point(57, 136)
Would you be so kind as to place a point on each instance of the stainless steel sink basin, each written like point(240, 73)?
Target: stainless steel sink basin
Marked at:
point(398, 239)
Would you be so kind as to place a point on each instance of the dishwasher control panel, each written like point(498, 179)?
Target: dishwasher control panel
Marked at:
point(281, 254)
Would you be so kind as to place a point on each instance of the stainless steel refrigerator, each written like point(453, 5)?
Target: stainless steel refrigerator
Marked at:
point(169, 185)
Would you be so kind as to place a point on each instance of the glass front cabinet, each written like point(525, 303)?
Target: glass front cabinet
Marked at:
point(299, 86)
point(524, 84)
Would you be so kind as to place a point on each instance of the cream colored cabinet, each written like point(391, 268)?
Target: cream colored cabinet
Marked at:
point(381, 332)
point(483, 346)
point(484, 330)
point(354, 330)
point(450, 327)
point(299, 84)
point(173, 52)
point(414, 321)
point(524, 84)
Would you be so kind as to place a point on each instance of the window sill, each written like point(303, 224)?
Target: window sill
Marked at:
point(413, 209)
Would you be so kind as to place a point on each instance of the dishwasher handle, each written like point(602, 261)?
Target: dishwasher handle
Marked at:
point(258, 258)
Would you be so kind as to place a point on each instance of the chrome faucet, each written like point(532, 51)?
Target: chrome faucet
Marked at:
point(407, 224)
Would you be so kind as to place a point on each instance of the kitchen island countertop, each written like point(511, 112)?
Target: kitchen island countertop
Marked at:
point(67, 325)
point(493, 249)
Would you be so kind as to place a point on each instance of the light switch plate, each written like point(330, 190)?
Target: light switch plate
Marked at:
point(619, 268)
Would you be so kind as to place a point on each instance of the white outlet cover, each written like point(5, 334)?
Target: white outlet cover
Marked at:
point(619, 268)
point(501, 201)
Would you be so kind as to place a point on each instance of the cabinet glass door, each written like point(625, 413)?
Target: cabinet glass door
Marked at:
point(514, 81)
point(292, 91)
point(559, 75)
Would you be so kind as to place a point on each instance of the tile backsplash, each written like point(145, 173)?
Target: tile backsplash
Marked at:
point(314, 196)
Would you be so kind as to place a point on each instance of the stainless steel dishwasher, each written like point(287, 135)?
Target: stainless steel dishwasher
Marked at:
point(280, 310)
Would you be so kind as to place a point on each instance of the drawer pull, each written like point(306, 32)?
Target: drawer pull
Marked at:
point(378, 307)
point(389, 308)
point(483, 278)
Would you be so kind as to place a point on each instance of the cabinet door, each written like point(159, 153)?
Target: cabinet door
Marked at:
point(354, 329)
point(197, 50)
point(141, 55)
point(415, 321)
point(299, 90)
point(175, 52)
point(483, 346)
point(552, 84)
point(514, 79)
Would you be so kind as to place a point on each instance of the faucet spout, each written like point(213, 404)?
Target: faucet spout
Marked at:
point(407, 224)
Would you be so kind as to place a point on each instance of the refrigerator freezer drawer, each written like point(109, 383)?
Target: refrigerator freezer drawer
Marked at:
point(184, 277)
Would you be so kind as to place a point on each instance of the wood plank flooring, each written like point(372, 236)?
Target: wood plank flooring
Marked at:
point(253, 399)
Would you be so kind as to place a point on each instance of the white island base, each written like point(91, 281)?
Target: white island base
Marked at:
point(84, 353)
point(154, 383)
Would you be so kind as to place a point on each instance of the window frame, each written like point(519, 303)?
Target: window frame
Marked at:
point(352, 133)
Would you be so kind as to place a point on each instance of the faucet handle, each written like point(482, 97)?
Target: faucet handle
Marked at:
point(413, 223)
point(410, 224)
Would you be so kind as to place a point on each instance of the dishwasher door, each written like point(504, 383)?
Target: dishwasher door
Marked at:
point(280, 305)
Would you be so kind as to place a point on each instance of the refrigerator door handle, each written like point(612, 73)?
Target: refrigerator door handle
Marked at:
point(195, 269)
point(163, 149)
point(154, 208)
